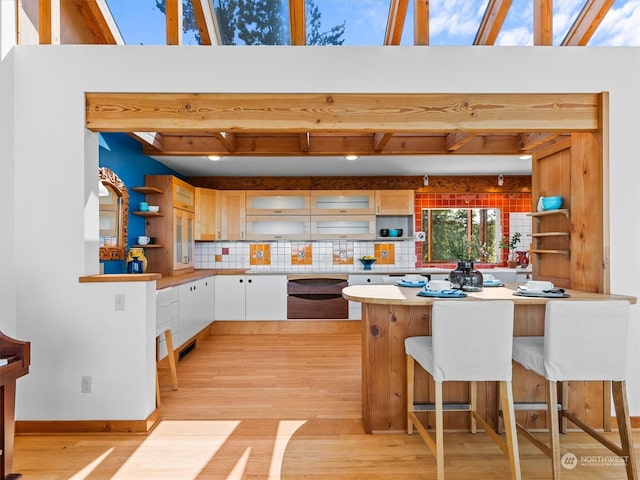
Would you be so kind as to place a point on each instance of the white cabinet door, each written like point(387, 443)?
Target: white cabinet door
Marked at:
point(196, 307)
point(230, 295)
point(266, 297)
point(167, 316)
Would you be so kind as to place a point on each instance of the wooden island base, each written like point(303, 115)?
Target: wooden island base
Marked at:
point(390, 314)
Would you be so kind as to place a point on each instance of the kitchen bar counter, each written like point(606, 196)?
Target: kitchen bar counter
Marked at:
point(390, 314)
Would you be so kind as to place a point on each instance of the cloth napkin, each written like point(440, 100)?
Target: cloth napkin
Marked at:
point(404, 283)
point(442, 293)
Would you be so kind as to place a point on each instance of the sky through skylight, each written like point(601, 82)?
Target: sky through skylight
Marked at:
point(452, 22)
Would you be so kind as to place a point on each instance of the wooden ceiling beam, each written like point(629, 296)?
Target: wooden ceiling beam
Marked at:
point(206, 21)
point(173, 13)
point(395, 21)
point(492, 22)
point(421, 22)
point(249, 145)
point(364, 113)
point(100, 21)
point(305, 141)
point(457, 140)
point(587, 22)
point(531, 141)
point(380, 140)
point(150, 141)
point(543, 22)
point(297, 22)
point(227, 140)
point(49, 22)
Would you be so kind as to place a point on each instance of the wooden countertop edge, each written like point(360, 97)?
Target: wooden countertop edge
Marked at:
point(394, 295)
point(120, 277)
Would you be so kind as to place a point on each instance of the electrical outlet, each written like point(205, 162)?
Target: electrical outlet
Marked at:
point(119, 302)
point(85, 384)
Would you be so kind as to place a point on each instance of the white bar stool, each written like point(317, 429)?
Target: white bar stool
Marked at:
point(583, 341)
point(471, 341)
point(171, 357)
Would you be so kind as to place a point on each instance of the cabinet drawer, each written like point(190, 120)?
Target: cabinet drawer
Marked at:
point(317, 306)
point(316, 286)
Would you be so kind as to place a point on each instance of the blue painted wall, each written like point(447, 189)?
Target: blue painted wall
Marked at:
point(123, 155)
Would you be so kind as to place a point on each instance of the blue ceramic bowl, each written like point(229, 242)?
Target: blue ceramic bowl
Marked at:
point(551, 203)
point(395, 232)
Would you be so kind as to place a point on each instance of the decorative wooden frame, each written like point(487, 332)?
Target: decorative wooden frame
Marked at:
point(111, 180)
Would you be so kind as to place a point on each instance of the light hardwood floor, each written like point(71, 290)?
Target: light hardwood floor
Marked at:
point(280, 407)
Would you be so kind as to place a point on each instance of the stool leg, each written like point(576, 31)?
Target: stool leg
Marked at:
point(410, 386)
point(473, 397)
point(624, 427)
point(172, 358)
point(439, 433)
point(509, 414)
point(554, 434)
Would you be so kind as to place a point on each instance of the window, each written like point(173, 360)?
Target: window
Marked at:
point(445, 227)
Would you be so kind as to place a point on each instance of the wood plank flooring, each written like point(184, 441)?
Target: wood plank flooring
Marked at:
point(281, 407)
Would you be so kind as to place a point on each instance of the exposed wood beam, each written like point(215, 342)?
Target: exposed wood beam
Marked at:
point(380, 140)
point(365, 113)
point(534, 140)
point(49, 22)
point(336, 145)
point(151, 141)
point(99, 20)
point(587, 22)
point(395, 22)
point(492, 22)
point(457, 140)
point(297, 22)
point(173, 13)
point(421, 22)
point(227, 140)
point(305, 141)
point(205, 20)
point(543, 22)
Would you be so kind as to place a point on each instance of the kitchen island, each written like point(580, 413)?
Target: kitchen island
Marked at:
point(391, 313)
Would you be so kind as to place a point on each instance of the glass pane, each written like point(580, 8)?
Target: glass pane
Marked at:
point(178, 239)
point(143, 22)
point(258, 23)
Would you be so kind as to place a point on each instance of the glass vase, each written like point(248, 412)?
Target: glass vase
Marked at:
point(466, 278)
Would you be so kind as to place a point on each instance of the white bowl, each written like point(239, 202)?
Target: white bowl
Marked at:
point(154, 208)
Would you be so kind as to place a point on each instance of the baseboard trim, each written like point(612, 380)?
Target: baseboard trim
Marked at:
point(276, 327)
point(53, 427)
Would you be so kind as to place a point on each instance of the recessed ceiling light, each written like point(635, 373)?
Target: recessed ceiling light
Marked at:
point(525, 157)
point(214, 158)
point(351, 157)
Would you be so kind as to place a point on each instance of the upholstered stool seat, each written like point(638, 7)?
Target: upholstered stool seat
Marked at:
point(583, 341)
point(471, 341)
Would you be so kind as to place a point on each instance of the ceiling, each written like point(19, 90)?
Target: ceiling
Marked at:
point(299, 152)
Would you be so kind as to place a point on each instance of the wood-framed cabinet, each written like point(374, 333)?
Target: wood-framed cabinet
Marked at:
point(277, 202)
point(174, 228)
point(232, 215)
point(394, 202)
point(207, 215)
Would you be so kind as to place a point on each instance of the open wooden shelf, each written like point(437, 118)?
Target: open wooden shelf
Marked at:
point(562, 252)
point(148, 214)
point(146, 190)
point(546, 213)
point(551, 234)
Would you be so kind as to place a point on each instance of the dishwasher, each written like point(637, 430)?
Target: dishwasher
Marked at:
point(316, 297)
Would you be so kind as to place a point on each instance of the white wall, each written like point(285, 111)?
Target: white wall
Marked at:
point(56, 157)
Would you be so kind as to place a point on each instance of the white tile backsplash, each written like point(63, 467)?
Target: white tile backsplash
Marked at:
point(521, 222)
point(238, 256)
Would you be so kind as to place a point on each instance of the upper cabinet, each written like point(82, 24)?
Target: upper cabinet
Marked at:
point(207, 214)
point(232, 214)
point(277, 202)
point(342, 202)
point(394, 202)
